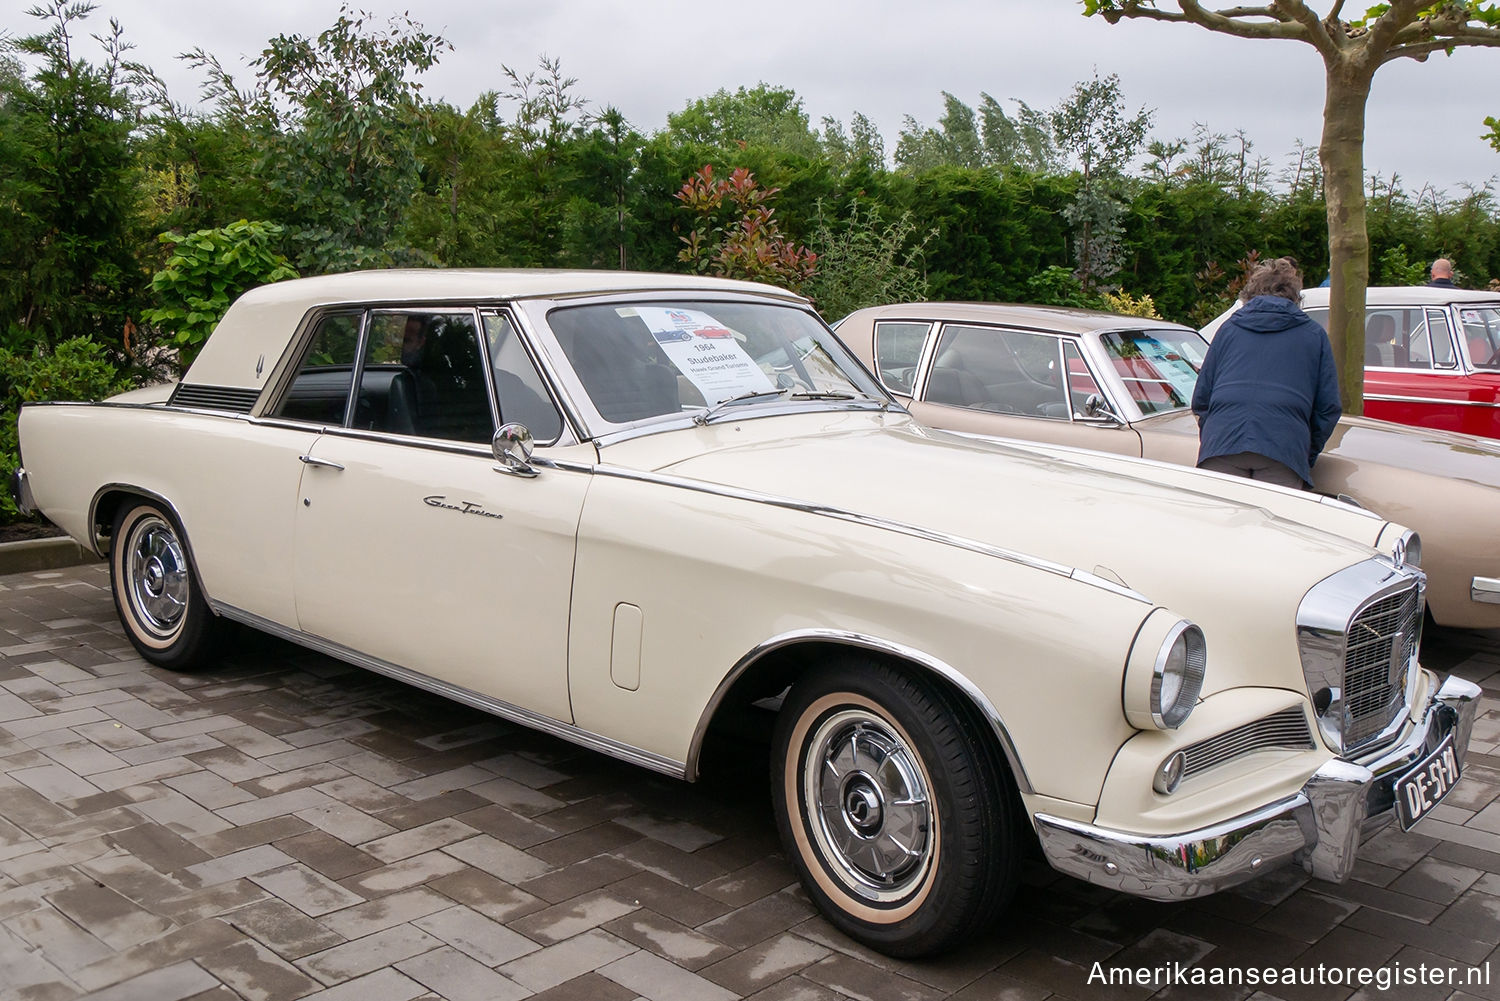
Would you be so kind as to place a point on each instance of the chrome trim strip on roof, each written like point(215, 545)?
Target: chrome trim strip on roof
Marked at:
point(872, 521)
point(970, 690)
point(493, 706)
point(1427, 399)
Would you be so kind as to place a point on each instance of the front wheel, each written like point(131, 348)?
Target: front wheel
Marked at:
point(156, 594)
point(897, 817)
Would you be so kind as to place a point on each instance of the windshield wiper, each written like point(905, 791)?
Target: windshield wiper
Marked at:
point(839, 394)
point(754, 394)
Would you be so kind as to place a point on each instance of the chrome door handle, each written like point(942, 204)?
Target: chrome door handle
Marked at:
point(314, 461)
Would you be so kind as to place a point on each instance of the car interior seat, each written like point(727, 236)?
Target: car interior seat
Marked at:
point(1380, 330)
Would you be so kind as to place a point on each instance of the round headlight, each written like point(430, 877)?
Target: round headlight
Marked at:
point(1178, 676)
point(1164, 672)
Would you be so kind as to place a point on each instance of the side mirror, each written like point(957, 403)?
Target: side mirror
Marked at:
point(1095, 408)
point(512, 447)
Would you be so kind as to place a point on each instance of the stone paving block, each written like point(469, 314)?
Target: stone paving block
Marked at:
point(136, 775)
point(760, 966)
point(283, 929)
point(179, 748)
point(383, 985)
point(516, 796)
point(255, 973)
point(679, 834)
point(32, 725)
point(494, 898)
point(180, 815)
point(330, 731)
point(55, 782)
point(416, 840)
point(673, 863)
point(378, 769)
point(65, 944)
point(306, 890)
point(560, 963)
point(108, 916)
point(296, 778)
point(210, 901)
point(304, 756)
point(747, 885)
point(574, 916)
point(327, 854)
point(498, 859)
point(446, 781)
point(175, 947)
point(1436, 880)
point(405, 874)
point(580, 877)
point(439, 807)
point(1307, 916)
point(386, 912)
point(278, 805)
point(671, 940)
point(208, 790)
point(655, 978)
point(528, 835)
point(362, 794)
point(171, 983)
point(664, 896)
point(456, 977)
point(261, 832)
point(368, 954)
point(112, 735)
point(231, 764)
point(246, 862)
point(83, 757)
point(348, 824)
point(475, 935)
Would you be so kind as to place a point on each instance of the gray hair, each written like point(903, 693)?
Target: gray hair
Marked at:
point(1280, 278)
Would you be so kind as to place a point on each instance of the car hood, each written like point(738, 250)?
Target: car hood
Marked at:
point(1365, 442)
point(1232, 566)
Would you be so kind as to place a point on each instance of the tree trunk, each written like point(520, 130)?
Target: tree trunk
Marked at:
point(1341, 153)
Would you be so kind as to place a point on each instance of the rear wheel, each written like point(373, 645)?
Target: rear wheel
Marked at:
point(156, 593)
point(896, 816)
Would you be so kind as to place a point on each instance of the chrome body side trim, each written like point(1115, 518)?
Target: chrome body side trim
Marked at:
point(495, 707)
point(1427, 399)
point(873, 521)
point(20, 491)
point(1485, 589)
point(971, 691)
point(1321, 826)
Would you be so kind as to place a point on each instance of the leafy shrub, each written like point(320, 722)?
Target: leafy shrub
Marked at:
point(1128, 305)
point(736, 234)
point(77, 369)
point(205, 273)
point(1059, 286)
point(866, 262)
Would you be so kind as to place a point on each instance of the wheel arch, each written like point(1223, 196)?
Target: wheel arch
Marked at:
point(106, 504)
point(771, 666)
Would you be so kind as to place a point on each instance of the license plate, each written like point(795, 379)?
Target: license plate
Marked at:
point(1422, 788)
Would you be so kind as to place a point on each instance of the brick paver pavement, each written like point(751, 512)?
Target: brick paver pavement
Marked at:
point(286, 827)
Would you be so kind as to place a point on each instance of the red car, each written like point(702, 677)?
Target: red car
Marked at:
point(1432, 356)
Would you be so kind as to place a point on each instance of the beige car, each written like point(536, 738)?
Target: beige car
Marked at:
point(996, 369)
point(660, 516)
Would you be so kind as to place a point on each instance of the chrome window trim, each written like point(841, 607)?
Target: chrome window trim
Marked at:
point(496, 707)
point(1458, 356)
point(867, 642)
point(1323, 618)
point(924, 355)
point(1393, 398)
point(592, 425)
point(568, 434)
point(872, 521)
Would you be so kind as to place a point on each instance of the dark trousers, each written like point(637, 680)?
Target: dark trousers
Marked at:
point(1255, 467)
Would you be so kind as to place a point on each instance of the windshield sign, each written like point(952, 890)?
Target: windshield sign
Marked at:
point(1159, 367)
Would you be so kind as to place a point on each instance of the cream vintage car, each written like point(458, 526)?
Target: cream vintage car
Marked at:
point(995, 369)
point(636, 511)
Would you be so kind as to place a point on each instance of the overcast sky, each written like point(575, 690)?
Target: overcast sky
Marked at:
point(884, 58)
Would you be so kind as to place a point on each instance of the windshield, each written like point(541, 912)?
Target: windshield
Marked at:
point(1158, 367)
point(645, 359)
point(1481, 328)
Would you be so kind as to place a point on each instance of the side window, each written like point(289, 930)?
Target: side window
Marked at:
point(320, 390)
point(423, 375)
point(1440, 332)
point(1411, 349)
point(898, 348)
point(1081, 384)
point(518, 385)
point(1004, 371)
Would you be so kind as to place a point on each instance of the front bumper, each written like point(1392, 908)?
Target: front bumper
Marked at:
point(20, 491)
point(1321, 827)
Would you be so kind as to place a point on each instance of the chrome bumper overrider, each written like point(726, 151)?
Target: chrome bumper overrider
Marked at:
point(1486, 589)
point(1321, 827)
point(20, 491)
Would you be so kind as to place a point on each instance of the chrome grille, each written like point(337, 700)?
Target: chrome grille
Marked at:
point(1374, 690)
point(1287, 729)
point(230, 398)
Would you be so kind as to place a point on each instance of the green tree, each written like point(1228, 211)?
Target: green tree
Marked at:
point(865, 261)
point(1351, 52)
point(760, 116)
point(69, 195)
point(1093, 128)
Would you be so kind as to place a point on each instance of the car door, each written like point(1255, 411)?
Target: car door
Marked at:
point(1016, 384)
point(412, 547)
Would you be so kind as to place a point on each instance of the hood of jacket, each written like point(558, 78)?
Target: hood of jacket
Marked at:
point(1269, 314)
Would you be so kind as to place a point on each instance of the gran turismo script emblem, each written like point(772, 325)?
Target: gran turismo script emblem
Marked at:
point(462, 507)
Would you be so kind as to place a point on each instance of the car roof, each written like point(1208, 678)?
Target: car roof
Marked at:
point(1404, 295)
point(1059, 319)
point(254, 332)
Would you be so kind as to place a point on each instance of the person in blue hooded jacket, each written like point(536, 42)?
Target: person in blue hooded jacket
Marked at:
point(1267, 397)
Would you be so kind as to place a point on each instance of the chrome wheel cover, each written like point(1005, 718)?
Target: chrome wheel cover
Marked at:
point(868, 805)
point(156, 576)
